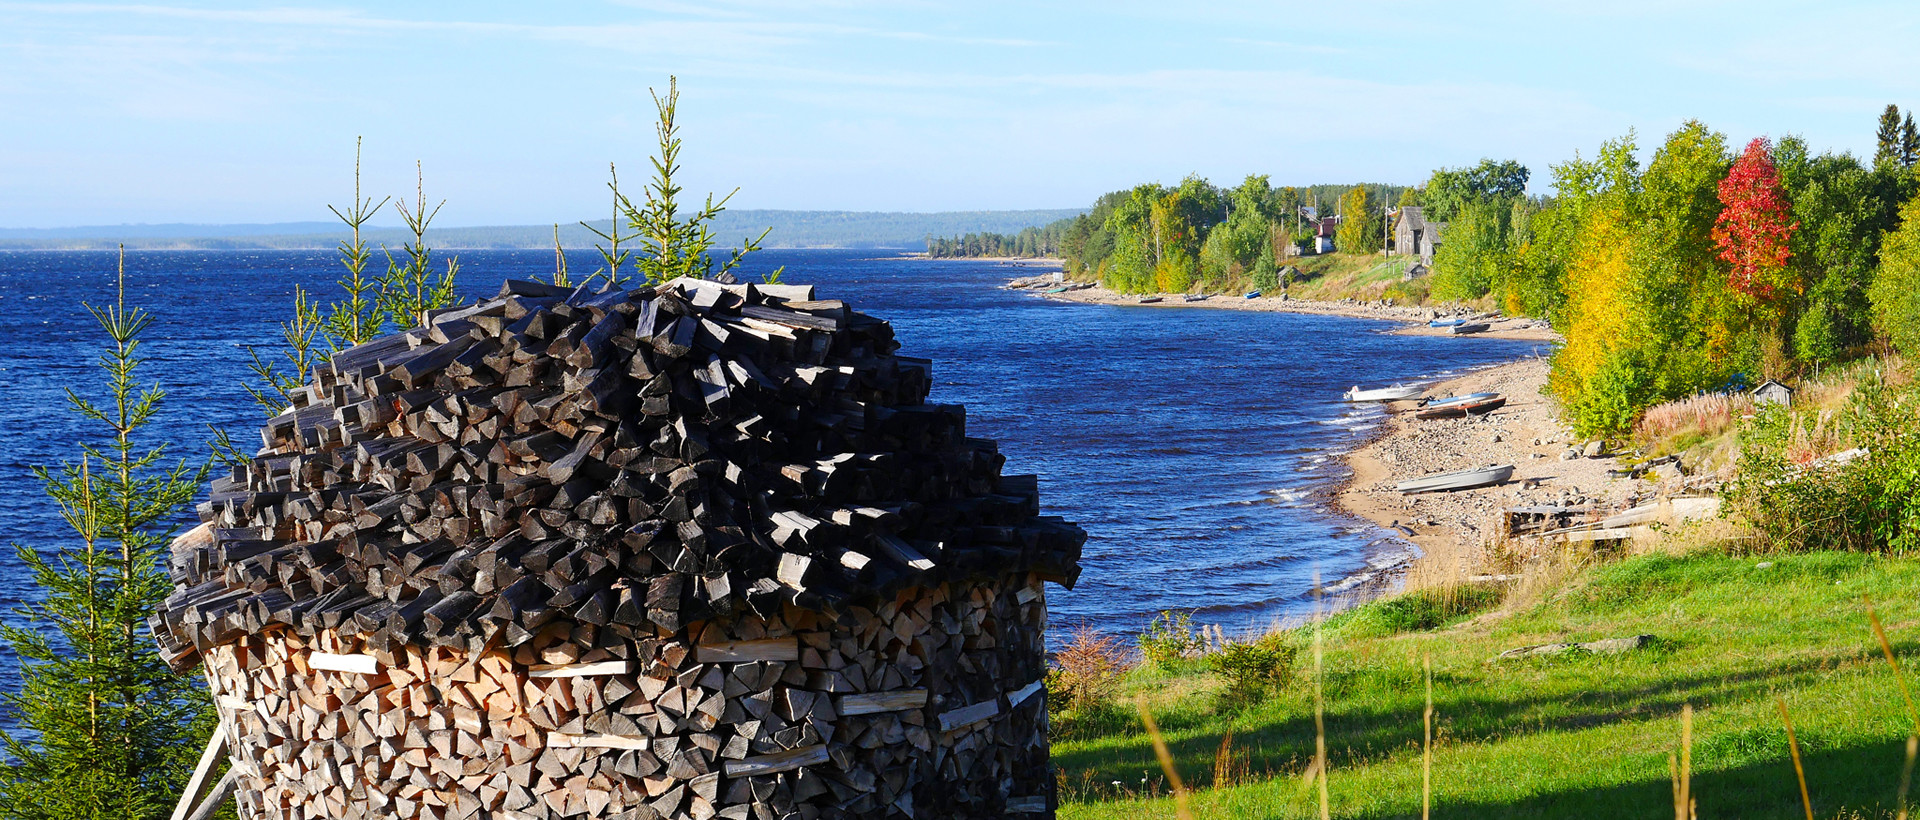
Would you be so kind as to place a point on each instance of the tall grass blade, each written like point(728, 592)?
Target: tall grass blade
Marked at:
point(1426, 749)
point(1180, 807)
point(1913, 739)
point(1793, 747)
point(1686, 762)
point(1319, 699)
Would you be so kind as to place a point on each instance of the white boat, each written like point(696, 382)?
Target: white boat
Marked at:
point(1394, 393)
point(1463, 480)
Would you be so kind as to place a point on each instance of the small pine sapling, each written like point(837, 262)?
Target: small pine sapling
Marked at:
point(103, 728)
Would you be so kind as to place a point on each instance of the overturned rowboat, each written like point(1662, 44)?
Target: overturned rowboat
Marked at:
point(1463, 480)
point(1475, 327)
point(1456, 409)
point(1466, 399)
point(1394, 393)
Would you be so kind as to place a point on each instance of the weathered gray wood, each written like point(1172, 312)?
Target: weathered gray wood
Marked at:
point(202, 773)
point(969, 715)
point(222, 792)
point(1023, 693)
point(876, 702)
point(1027, 805)
point(769, 649)
point(778, 762)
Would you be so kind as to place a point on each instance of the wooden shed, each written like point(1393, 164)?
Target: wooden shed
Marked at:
point(1773, 392)
point(696, 551)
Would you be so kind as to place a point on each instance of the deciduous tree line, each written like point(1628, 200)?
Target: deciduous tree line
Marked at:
point(1701, 267)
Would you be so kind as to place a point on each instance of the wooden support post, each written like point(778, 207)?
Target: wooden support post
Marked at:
point(202, 773)
point(222, 792)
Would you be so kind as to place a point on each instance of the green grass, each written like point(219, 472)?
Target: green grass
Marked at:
point(1578, 736)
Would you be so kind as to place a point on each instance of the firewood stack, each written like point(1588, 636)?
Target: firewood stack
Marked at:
point(690, 551)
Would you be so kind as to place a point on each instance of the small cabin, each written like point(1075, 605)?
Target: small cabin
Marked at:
point(1413, 235)
point(1323, 235)
point(1773, 392)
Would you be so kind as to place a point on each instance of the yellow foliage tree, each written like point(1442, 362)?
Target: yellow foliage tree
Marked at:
point(1599, 301)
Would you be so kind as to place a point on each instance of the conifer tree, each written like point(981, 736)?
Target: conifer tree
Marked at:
point(104, 728)
point(676, 244)
point(1909, 142)
point(1887, 138)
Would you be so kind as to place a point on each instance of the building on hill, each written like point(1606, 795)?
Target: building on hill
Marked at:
point(699, 550)
point(1323, 234)
point(1413, 235)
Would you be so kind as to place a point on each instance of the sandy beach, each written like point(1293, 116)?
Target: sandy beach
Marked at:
point(1416, 317)
point(1451, 530)
point(1456, 527)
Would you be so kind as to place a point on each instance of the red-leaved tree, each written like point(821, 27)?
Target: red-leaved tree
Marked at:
point(1755, 224)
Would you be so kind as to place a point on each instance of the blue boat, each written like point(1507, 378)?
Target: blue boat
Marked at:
point(1253, 294)
point(1452, 400)
point(1446, 322)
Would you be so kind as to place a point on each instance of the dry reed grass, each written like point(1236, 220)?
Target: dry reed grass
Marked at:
point(1685, 807)
point(1708, 415)
point(1793, 747)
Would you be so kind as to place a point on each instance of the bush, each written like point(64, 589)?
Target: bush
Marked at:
point(1802, 500)
point(1254, 669)
point(1170, 639)
point(1089, 667)
point(1607, 405)
point(1416, 611)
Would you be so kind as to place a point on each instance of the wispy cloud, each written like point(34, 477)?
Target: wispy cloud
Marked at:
point(1307, 48)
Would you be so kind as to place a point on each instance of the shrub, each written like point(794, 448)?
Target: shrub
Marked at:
point(1802, 500)
point(1170, 639)
point(1416, 611)
point(1089, 666)
point(1254, 669)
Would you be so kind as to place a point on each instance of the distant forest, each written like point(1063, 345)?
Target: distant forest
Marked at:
point(1155, 238)
point(791, 229)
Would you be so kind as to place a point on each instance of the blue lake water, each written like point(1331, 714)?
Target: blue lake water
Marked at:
point(1197, 447)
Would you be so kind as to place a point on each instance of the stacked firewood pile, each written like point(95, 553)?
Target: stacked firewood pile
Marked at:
point(700, 550)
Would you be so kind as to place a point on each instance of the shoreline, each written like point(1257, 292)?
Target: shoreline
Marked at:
point(1453, 532)
point(1415, 318)
point(1439, 538)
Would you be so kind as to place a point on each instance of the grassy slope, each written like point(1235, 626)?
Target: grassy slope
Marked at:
point(1334, 276)
point(1572, 737)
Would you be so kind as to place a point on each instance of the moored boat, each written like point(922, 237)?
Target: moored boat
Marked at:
point(1253, 294)
point(1055, 290)
point(1476, 404)
point(1475, 327)
point(1454, 322)
point(1394, 393)
point(1470, 397)
point(1462, 480)
point(1148, 300)
point(1196, 297)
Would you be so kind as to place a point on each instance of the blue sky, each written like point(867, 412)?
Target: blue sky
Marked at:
point(217, 112)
